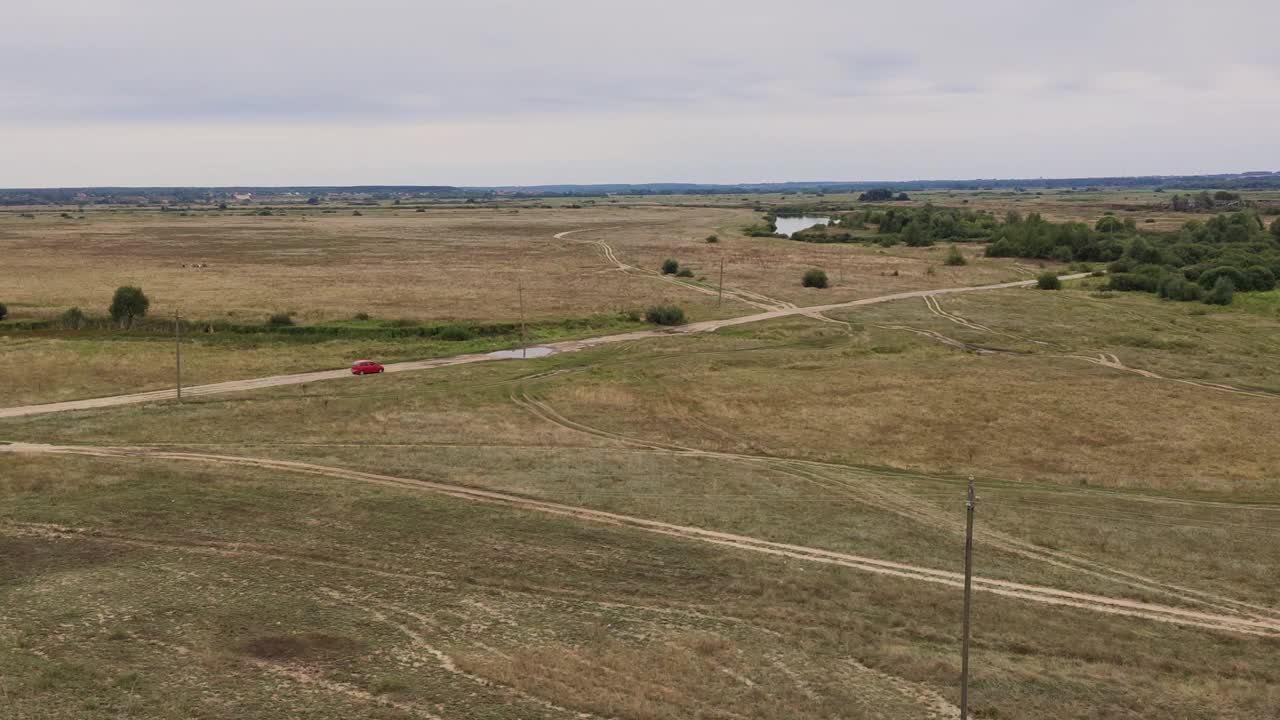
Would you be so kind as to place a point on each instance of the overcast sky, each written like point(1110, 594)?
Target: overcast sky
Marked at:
point(482, 92)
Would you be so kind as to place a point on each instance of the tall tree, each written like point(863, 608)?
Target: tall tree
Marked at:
point(128, 303)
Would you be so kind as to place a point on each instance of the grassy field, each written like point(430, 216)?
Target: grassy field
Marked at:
point(64, 365)
point(438, 265)
point(321, 550)
point(396, 266)
point(220, 592)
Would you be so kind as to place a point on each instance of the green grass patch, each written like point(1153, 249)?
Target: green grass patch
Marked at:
point(1266, 304)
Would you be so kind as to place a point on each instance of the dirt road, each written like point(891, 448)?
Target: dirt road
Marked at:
point(566, 346)
point(754, 299)
point(1033, 593)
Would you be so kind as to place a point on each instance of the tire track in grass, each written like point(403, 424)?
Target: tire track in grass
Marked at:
point(1020, 591)
point(754, 299)
point(424, 651)
point(911, 508)
point(1107, 360)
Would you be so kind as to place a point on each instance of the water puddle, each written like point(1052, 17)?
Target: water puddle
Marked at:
point(533, 352)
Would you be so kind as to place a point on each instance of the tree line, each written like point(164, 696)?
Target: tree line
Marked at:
point(1202, 260)
point(1206, 259)
point(915, 226)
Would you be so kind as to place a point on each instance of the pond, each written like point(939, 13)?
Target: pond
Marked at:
point(789, 225)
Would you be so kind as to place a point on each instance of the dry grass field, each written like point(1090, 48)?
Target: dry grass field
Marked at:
point(760, 522)
point(884, 393)
point(446, 264)
point(397, 265)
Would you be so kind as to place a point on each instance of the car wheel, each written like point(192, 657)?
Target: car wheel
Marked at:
point(379, 371)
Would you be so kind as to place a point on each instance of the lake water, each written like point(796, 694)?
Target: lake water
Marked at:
point(789, 225)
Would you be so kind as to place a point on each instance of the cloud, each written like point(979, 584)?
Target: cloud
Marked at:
point(494, 91)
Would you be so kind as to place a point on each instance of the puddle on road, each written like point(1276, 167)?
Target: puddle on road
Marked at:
point(533, 352)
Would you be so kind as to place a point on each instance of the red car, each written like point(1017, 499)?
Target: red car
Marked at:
point(365, 367)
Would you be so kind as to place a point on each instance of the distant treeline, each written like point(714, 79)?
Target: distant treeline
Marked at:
point(1202, 260)
point(915, 226)
point(135, 195)
point(1188, 264)
point(1261, 180)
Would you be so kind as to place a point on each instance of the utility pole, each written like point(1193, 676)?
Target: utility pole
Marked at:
point(720, 298)
point(970, 502)
point(177, 351)
point(524, 348)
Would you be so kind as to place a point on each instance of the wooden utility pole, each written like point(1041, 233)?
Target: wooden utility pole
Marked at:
point(720, 298)
point(524, 348)
point(970, 502)
point(177, 351)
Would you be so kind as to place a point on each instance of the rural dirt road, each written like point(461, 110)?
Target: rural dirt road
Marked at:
point(1033, 593)
point(566, 346)
point(754, 299)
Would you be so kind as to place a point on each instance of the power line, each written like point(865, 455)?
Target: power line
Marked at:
point(970, 504)
point(177, 352)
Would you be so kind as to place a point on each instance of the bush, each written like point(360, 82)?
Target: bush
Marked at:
point(361, 316)
point(684, 272)
point(356, 213)
point(128, 303)
point(1180, 289)
point(761, 231)
point(1134, 282)
point(1048, 281)
point(1109, 224)
point(456, 333)
point(815, 278)
point(1143, 252)
point(1062, 253)
point(712, 239)
point(665, 315)
point(915, 234)
point(1209, 278)
point(72, 319)
point(670, 267)
point(280, 320)
point(4, 311)
point(1223, 292)
point(1120, 266)
point(955, 258)
point(880, 195)
point(1260, 278)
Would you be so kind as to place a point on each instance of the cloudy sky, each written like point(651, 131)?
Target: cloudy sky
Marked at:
point(237, 92)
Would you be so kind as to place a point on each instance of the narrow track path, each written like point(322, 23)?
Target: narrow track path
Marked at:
point(1032, 593)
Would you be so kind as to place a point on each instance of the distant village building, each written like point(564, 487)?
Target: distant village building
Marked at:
point(242, 197)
